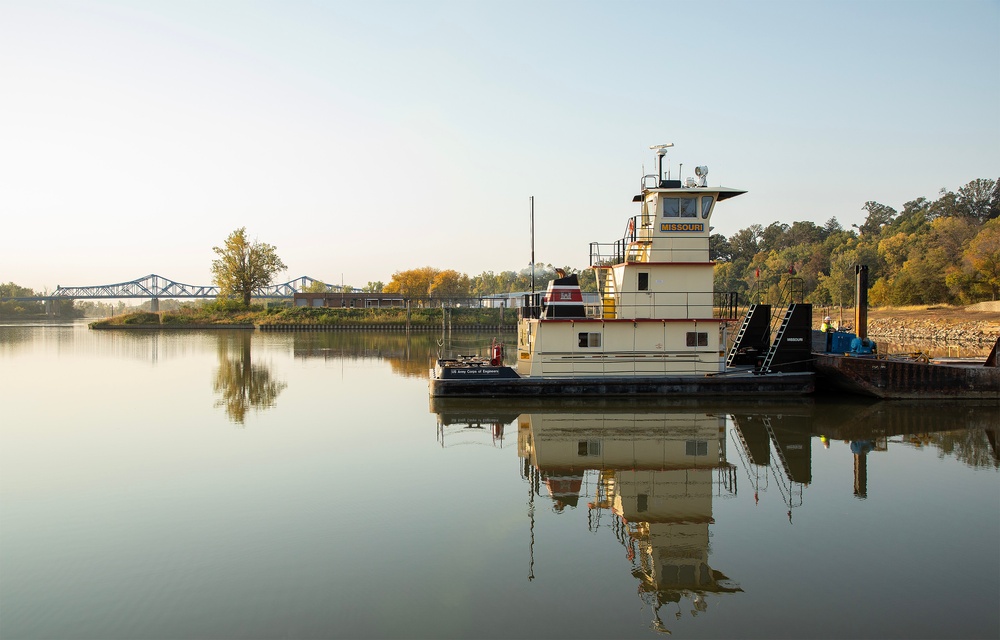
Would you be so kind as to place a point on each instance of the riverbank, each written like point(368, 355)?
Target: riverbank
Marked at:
point(976, 325)
point(973, 325)
point(320, 319)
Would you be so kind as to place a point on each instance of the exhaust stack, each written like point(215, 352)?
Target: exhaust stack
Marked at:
point(861, 301)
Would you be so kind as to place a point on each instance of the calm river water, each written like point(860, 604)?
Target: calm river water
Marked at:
point(247, 485)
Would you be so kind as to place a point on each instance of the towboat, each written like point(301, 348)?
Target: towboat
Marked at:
point(658, 329)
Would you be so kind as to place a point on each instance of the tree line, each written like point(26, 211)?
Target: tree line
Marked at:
point(30, 308)
point(932, 252)
point(432, 283)
point(945, 251)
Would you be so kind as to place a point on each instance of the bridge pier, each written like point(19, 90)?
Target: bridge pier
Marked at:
point(154, 305)
point(50, 308)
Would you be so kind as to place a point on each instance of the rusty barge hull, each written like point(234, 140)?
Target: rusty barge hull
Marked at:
point(889, 378)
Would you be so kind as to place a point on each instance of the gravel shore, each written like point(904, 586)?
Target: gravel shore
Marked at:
point(977, 325)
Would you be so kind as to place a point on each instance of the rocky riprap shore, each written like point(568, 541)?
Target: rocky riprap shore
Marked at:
point(975, 333)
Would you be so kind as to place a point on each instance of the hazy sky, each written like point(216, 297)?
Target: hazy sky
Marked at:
point(363, 138)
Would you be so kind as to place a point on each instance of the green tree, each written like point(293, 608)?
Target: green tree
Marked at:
point(893, 251)
point(449, 284)
point(982, 258)
point(719, 248)
point(745, 243)
point(11, 290)
point(244, 266)
point(979, 200)
point(19, 308)
point(588, 279)
point(412, 283)
point(879, 215)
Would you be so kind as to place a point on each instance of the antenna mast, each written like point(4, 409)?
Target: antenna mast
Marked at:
point(532, 201)
point(661, 150)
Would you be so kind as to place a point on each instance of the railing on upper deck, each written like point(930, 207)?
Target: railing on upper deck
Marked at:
point(636, 245)
point(619, 252)
point(670, 305)
point(531, 306)
point(789, 290)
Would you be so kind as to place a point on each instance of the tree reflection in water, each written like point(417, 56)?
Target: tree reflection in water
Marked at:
point(241, 383)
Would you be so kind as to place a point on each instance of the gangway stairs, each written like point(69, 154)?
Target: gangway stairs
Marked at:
point(792, 345)
point(753, 337)
point(773, 351)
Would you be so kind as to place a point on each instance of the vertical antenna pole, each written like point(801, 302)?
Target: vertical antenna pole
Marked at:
point(532, 250)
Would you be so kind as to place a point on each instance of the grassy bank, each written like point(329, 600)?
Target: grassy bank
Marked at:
point(259, 316)
point(928, 320)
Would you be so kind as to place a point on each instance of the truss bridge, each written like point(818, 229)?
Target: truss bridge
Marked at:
point(155, 287)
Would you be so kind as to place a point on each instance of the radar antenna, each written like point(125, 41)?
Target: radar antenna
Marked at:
point(661, 150)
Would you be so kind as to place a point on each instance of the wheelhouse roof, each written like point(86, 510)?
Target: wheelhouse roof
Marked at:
point(722, 193)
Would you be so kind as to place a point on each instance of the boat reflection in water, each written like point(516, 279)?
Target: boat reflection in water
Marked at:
point(656, 474)
point(651, 471)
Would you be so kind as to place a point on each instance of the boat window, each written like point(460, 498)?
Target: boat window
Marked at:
point(590, 339)
point(696, 447)
point(689, 208)
point(671, 207)
point(697, 339)
point(706, 206)
point(642, 502)
point(643, 282)
point(588, 448)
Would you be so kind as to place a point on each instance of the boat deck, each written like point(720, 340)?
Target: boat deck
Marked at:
point(742, 382)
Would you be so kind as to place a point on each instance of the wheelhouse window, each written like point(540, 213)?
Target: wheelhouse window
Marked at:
point(706, 206)
point(680, 208)
point(671, 207)
point(689, 208)
point(697, 339)
point(590, 339)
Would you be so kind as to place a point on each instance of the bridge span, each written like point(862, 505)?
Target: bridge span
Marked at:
point(155, 287)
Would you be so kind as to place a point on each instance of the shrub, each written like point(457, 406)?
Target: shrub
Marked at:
point(178, 318)
point(142, 317)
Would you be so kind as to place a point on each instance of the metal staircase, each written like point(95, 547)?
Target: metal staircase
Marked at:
point(754, 332)
point(776, 343)
point(609, 295)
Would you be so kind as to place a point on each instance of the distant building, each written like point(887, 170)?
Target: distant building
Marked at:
point(361, 300)
point(352, 300)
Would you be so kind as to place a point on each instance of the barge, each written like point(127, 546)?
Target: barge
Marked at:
point(658, 329)
point(851, 363)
